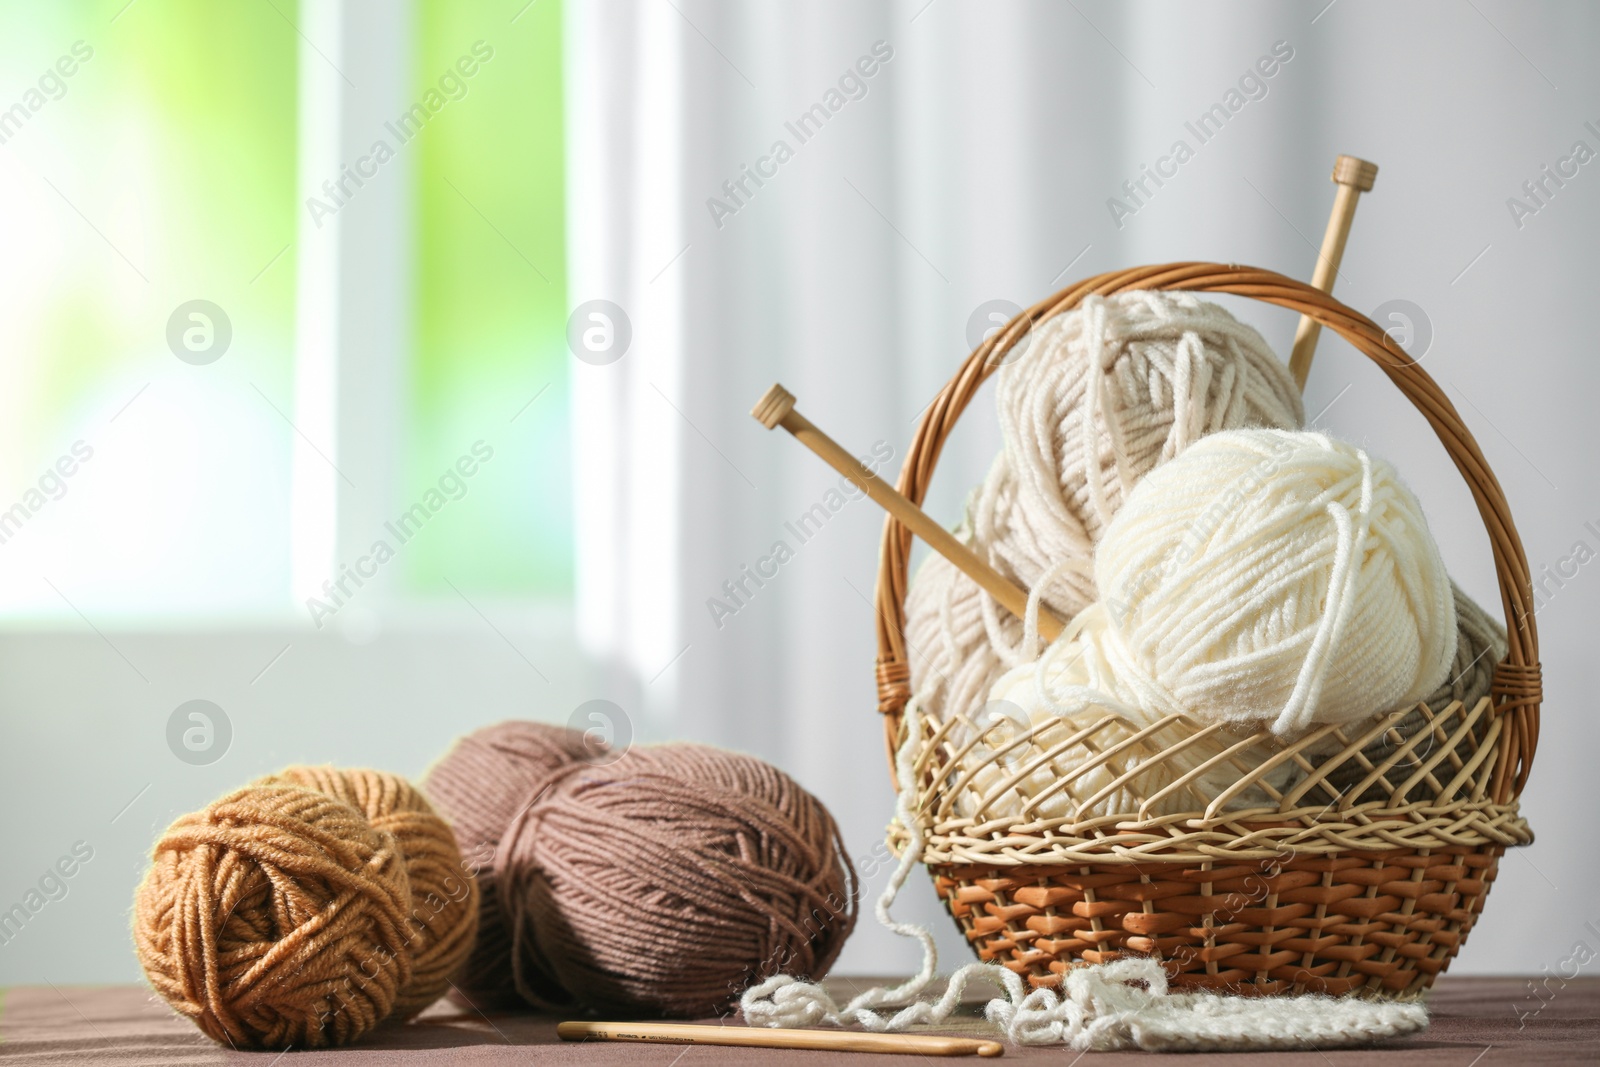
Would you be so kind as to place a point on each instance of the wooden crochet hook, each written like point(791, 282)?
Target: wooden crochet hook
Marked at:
point(776, 408)
point(1351, 177)
point(760, 1037)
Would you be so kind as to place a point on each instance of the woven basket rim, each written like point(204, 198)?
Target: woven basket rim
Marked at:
point(1517, 691)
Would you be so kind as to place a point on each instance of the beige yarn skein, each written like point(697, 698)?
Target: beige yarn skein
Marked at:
point(1100, 396)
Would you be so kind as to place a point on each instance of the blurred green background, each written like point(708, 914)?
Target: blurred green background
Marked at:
point(164, 168)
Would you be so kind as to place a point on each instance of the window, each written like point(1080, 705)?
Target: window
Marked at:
point(491, 308)
point(152, 447)
point(160, 170)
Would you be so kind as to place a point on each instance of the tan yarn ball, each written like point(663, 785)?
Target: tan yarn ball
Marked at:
point(1098, 398)
point(303, 915)
point(444, 895)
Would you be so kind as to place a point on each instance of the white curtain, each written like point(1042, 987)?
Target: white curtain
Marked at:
point(980, 160)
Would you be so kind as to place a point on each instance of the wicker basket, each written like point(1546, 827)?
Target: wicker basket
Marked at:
point(1366, 890)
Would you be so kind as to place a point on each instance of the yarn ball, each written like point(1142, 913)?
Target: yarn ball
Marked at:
point(443, 920)
point(1098, 398)
point(1273, 576)
point(1068, 739)
point(1059, 746)
point(285, 914)
point(480, 786)
point(1263, 576)
point(1480, 646)
point(667, 882)
point(660, 882)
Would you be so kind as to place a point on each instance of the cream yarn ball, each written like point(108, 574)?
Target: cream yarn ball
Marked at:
point(1275, 576)
point(1098, 397)
point(1261, 577)
point(1042, 773)
point(1069, 739)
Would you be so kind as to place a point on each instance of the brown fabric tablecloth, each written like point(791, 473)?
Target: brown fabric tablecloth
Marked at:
point(1477, 1022)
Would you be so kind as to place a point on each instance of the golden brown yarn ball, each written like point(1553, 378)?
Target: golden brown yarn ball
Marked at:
point(303, 910)
point(444, 900)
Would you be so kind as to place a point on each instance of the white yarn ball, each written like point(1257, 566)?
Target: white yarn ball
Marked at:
point(1275, 576)
point(1098, 398)
point(1067, 744)
point(1029, 768)
point(1261, 576)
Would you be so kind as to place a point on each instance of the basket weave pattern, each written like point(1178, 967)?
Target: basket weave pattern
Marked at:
point(1314, 869)
point(1388, 921)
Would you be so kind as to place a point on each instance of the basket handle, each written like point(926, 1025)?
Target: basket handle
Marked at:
point(1516, 691)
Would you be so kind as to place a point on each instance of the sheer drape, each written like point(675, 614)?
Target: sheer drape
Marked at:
point(984, 158)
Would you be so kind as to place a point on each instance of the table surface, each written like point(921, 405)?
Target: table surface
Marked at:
point(1477, 1022)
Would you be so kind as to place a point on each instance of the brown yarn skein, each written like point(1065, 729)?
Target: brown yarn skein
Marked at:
point(286, 915)
point(663, 883)
point(480, 785)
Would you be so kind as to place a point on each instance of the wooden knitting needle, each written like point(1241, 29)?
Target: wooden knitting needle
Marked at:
point(1352, 177)
point(776, 408)
point(760, 1037)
